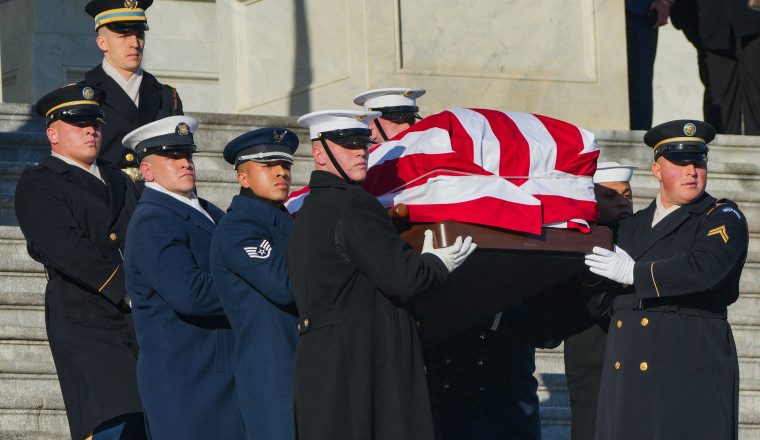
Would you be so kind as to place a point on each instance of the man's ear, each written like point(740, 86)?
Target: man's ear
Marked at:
point(242, 180)
point(319, 155)
point(100, 40)
point(52, 135)
point(146, 170)
point(657, 171)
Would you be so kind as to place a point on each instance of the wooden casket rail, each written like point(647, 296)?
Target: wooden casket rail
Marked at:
point(507, 268)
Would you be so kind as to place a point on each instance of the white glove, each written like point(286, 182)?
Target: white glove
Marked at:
point(452, 256)
point(617, 265)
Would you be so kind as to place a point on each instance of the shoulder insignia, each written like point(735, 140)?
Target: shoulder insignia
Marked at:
point(261, 251)
point(720, 230)
point(732, 210)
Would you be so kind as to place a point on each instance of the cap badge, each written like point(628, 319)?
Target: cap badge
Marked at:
point(88, 93)
point(689, 129)
point(278, 137)
point(182, 129)
point(131, 4)
point(360, 118)
point(407, 93)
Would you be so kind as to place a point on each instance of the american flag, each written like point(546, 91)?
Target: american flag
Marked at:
point(517, 171)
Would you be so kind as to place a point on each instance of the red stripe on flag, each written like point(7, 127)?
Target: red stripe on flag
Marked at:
point(560, 209)
point(569, 147)
point(515, 152)
point(488, 211)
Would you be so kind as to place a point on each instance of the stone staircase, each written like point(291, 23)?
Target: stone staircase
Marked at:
point(30, 402)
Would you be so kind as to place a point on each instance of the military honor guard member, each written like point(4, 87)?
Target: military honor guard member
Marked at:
point(185, 369)
point(398, 110)
point(134, 97)
point(248, 265)
point(74, 212)
point(358, 371)
point(587, 309)
point(670, 368)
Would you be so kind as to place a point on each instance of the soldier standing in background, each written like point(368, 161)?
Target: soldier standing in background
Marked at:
point(134, 97)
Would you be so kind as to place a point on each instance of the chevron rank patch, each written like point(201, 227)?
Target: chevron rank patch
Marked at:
point(261, 251)
point(720, 230)
point(728, 209)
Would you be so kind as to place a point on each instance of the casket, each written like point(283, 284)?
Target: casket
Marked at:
point(507, 268)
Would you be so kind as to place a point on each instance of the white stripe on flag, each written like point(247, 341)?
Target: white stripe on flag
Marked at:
point(457, 189)
point(558, 183)
point(486, 147)
point(543, 147)
point(430, 141)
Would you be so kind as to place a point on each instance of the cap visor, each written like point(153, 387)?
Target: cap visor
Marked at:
point(125, 27)
point(681, 157)
point(353, 141)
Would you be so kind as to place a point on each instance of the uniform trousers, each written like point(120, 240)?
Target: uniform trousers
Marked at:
point(732, 86)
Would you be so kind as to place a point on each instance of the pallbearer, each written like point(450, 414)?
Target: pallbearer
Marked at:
point(358, 371)
point(185, 369)
point(671, 369)
point(74, 212)
point(248, 265)
point(398, 110)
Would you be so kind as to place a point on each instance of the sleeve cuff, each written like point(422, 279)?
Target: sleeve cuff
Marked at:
point(113, 286)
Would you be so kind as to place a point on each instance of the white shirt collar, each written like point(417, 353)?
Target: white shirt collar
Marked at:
point(130, 86)
point(192, 201)
point(93, 169)
point(661, 211)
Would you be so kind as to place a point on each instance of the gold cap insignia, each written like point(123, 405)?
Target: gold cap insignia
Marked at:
point(407, 93)
point(360, 118)
point(182, 129)
point(278, 137)
point(689, 129)
point(131, 4)
point(88, 93)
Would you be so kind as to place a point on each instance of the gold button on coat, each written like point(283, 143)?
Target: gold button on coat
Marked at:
point(130, 157)
point(306, 323)
point(617, 365)
point(644, 322)
point(643, 366)
point(619, 323)
point(113, 236)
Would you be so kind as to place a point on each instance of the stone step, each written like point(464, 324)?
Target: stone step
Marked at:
point(26, 357)
point(33, 424)
point(29, 391)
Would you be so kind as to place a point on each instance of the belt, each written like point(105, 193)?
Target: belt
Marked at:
point(319, 318)
point(701, 310)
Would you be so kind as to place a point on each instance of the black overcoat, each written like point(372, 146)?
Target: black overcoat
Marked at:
point(671, 369)
point(359, 371)
point(157, 101)
point(75, 226)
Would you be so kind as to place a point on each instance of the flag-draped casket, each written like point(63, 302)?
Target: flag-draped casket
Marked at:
point(511, 180)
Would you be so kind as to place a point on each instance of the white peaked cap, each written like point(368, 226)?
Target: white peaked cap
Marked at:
point(329, 120)
point(388, 97)
point(172, 125)
point(613, 172)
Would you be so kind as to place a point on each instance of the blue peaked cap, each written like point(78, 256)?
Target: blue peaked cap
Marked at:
point(262, 145)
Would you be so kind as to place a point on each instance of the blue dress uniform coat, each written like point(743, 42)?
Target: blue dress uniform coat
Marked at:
point(185, 366)
point(248, 266)
point(75, 226)
point(157, 101)
point(671, 369)
point(359, 372)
